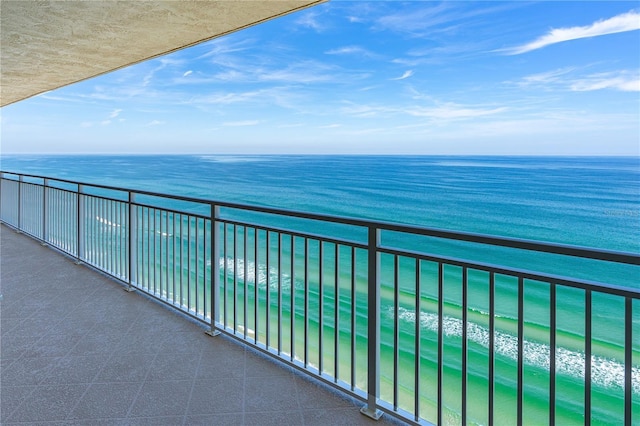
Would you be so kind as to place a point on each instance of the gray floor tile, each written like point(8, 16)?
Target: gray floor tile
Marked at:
point(139, 341)
point(274, 418)
point(11, 398)
point(27, 371)
point(341, 416)
point(84, 422)
point(106, 400)
point(162, 399)
point(125, 368)
point(267, 393)
point(75, 369)
point(186, 342)
point(52, 345)
point(94, 344)
point(257, 365)
point(157, 421)
point(316, 395)
point(221, 364)
point(224, 419)
point(47, 403)
point(215, 397)
point(14, 345)
point(171, 366)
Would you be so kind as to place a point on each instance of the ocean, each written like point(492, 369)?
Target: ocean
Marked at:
point(584, 201)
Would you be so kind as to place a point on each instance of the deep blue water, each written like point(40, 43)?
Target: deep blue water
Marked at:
point(573, 200)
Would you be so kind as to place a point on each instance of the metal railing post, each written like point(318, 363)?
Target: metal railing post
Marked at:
point(215, 270)
point(79, 231)
point(45, 183)
point(373, 331)
point(131, 241)
point(20, 180)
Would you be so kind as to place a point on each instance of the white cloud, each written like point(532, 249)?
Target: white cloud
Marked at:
point(364, 111)
point(154, 123)
point(164, 62)
point(241, 123)
point(187, 73)
point(629, 21)
point(454, 111)
point(406, 74)
point(308, 20)
point(622, 81)
point(330, 126)
point(351, 50)
point(115, 113)
point(221, 46)
point(545, 77)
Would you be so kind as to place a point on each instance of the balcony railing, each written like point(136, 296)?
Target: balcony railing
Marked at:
point(420, 323)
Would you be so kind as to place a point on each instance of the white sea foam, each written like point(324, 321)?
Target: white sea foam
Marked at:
point(605, 372)
point(237, 267)
point(107, 222)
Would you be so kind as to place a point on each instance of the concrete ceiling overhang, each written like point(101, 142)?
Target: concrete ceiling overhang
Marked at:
point(45, 45)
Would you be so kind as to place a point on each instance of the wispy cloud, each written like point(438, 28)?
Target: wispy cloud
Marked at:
point(629, 21)
point(154, 123)
point(428, 18)
point(406, 74)
point(330, 126)
point(162, 64)
point(115, 113)
point(453, 111)
point(545, 77)
point(566, 79)
point(366, 111)
point(308, 20)
point(241, 123)
point(224, 45)
point(187, 73)
point(437, 111)
point(352, 50)
point(624, 81)
point(306, 71)
point(280, 96)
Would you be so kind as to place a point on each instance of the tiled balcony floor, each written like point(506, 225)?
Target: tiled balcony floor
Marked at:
point(77, 349)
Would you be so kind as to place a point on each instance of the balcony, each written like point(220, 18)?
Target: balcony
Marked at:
point(385, 315)
point(76, 349)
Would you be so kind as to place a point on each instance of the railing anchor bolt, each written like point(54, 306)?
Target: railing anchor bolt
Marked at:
point(374, 414)
point(212, 333)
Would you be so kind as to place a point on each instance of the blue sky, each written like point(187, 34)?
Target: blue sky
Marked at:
point(384, 77)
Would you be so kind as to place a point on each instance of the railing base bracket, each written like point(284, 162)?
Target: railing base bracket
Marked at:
point(212, 333)
point(374, 414)
point(129, 289)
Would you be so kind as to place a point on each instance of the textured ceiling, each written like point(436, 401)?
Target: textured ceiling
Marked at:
point(45, 45)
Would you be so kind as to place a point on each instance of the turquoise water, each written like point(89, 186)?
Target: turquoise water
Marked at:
point(583, 201)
